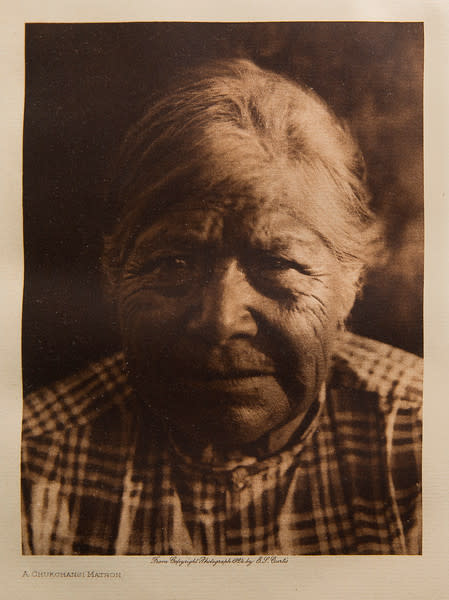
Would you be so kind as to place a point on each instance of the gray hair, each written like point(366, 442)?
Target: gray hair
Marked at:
point(233, 130)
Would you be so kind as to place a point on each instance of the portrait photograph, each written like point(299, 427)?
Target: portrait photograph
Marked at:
point(222, 326)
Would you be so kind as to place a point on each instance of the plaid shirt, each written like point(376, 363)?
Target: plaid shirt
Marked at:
point(96, 482)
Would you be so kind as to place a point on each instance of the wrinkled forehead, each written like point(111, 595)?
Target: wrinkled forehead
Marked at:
point(268, 206)
point(228, 223)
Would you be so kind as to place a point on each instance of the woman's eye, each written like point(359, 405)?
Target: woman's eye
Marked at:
point(167, 266)
point(276, 264)
point(173, 263)
point(279, 272)
point(172, 274)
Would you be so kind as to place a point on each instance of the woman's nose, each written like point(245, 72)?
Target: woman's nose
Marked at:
point(223, 310)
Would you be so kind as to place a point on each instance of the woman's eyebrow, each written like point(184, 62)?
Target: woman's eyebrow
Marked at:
point(177, 237)
point(286, 241)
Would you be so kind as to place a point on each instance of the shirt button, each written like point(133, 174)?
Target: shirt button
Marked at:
point(239, 476)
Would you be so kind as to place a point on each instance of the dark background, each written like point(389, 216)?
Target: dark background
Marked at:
point(86, 83)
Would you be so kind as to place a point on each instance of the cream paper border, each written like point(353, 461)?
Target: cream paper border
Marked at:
point(303, 577)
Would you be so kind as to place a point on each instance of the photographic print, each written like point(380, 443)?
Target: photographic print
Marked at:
point(222, 313)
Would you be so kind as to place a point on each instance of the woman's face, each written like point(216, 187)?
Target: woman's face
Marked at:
point(228, 317)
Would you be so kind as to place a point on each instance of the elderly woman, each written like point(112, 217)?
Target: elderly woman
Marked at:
point(241, 417)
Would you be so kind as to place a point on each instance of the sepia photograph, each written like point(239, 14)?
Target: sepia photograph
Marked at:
point(222, 326)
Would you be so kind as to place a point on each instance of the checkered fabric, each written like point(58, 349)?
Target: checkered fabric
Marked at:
point(96, 480)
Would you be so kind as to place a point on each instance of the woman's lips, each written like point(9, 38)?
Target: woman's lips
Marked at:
point(234, 374)
point(231, 382)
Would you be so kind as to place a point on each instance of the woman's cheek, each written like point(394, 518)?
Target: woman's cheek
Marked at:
point(310, 327)
point(146, 315)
